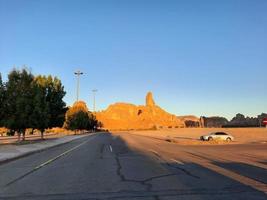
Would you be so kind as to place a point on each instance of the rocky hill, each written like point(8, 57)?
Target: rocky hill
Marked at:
point(190, 120)
point(125, 116)
point(213, 122)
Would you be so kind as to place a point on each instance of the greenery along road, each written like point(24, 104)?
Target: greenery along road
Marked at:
point(28, 101)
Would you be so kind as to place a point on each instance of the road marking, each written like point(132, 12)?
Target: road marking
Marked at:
point(48, 162)
point(110, 148)
point(177, 161)
point(153, 151)
point(60, 155)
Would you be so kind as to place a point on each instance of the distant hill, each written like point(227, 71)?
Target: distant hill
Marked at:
point(214, 121)
point(190, 120)
point(125, 116)
point(241, 121)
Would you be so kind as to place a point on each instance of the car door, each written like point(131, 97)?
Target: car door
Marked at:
point(219, 136)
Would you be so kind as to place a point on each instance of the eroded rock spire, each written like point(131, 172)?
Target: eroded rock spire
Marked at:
point(149, 100)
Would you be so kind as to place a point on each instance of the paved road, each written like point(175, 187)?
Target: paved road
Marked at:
point(125, 166)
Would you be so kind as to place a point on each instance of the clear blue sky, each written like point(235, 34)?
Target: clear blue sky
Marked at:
point(197, 57)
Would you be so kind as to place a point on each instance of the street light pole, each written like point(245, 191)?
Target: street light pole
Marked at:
point(78, 73)
point(94, 92)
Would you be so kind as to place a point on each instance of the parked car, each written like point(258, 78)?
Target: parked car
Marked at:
point(217, 136)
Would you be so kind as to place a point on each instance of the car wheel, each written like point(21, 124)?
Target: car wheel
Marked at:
point(228, 139)
point(210, 139)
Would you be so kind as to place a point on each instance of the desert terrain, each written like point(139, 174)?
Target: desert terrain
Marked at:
point(190, 136)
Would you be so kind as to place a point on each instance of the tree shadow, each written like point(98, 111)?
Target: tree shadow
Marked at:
point(172, 179)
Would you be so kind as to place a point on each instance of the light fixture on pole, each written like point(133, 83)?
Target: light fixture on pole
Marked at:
point(78, 73)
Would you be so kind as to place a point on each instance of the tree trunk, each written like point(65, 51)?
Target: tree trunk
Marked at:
point(18, 135)
point(23, 135)
point(42, 135)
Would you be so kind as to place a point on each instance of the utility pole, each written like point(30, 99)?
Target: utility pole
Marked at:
point(78, 73)
point(94, 92)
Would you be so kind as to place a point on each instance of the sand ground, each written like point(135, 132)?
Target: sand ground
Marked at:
point(192, 135)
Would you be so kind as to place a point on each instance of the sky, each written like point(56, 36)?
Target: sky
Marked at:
point(197, 57)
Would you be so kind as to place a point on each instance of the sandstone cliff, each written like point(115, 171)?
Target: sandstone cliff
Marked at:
point(190, 120)
point(124, 116)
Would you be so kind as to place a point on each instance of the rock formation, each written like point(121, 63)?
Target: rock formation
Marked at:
point(241, 121)
point(213, 122)
point(190, 121)
point(124, 116)
point(149, 100)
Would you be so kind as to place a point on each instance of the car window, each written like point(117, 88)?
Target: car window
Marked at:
point(221, 133)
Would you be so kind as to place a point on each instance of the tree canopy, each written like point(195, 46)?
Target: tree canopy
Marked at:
point(31, 102)
point(2, 96)
point(78, 117)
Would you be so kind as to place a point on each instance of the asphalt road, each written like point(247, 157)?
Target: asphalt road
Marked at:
point(125, 166)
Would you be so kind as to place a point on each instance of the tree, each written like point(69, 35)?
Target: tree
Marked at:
point(93, 122)
point(78, 121)
point(2, 98)
point(19, 101)
point(78, 117)
point(56, 105)
point(49, 107)
point(40, 115)
point(31, 102)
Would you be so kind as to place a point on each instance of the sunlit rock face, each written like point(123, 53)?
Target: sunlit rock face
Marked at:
point(125, 116)
point(149, 100)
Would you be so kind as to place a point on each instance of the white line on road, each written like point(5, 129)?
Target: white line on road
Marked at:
point(177, 161)
point(110, 148)
point(153, 151)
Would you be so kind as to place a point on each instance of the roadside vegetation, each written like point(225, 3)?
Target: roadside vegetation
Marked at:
point(78, 117)
point(29, 102)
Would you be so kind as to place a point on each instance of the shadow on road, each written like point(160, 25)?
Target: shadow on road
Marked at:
point(108, 167)
point(166, 179)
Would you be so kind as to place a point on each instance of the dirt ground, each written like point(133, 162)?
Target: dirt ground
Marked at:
point(192, 135)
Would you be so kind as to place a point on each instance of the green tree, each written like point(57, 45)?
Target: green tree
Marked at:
point(93, 122)
point(19, 101)
point(49, 107)
point(31, 102)
point(2, 97)
point(78, 117)
point(78, 121)
point(56, 105)
point(40, 115)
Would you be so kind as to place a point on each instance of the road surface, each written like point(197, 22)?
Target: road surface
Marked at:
point(125, 166)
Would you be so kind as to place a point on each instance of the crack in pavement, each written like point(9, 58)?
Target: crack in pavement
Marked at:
point(183, 170)
point(122, 177)
point(145, 182)
point(174, 166)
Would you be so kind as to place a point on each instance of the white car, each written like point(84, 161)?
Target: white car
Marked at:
point(217, 136)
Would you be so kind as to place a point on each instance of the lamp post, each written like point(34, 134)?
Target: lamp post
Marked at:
point(94, 92)
point(78, 73)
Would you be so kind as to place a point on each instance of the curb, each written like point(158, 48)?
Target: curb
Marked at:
point(39, 150)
